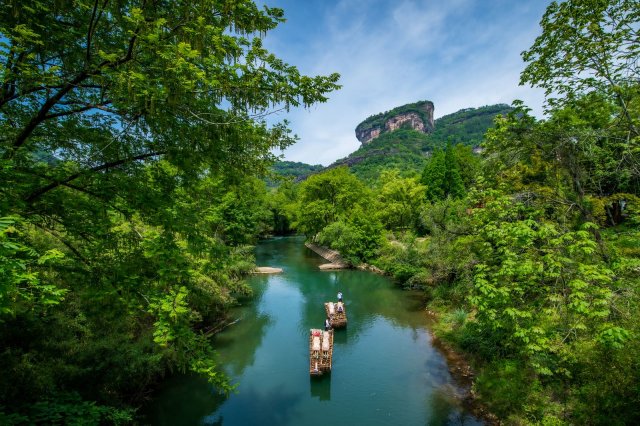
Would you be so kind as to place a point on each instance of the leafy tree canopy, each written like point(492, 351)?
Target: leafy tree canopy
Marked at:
point(584, 46)
point(129, 134)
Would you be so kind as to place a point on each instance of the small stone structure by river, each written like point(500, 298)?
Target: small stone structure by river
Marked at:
point(336, 261)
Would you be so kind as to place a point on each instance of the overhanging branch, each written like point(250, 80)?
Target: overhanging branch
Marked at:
point(38, 193)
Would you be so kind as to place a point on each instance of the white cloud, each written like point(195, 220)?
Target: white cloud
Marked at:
point(457, 54)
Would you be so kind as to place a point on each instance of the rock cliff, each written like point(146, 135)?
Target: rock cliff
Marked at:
point(417, 116)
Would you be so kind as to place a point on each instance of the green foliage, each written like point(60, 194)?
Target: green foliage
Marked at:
point(434, 176)
point(335, 209)
point(357, 237)
point(21, 289)
point(400, 200)
point(402, 149)
point(539, 288)
point(454, 186)
point(327, 196)
point(575, 158)
point(403, 259)
point(467, 126)
point(586, 46)
point(282, 202)
point(69, 409)
point(441, 263)
point(128, 194)
point(442, 175)
point(295, 170)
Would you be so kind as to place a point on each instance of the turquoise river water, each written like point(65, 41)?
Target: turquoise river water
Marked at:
point(385, 369)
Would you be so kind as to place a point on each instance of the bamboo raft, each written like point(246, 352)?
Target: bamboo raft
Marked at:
point(320, 351)
point(337, 318)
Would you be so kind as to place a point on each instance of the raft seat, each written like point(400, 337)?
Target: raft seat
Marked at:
point(331, 307)
point(316, 343)
point(326, 344)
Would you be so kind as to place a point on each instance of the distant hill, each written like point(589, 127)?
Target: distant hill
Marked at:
point(407, 149)
point(468, 125)
point(293, 169)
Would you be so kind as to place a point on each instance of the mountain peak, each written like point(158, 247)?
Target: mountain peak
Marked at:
point(417, 116)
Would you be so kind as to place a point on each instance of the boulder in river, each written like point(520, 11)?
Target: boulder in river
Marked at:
point(267, 270)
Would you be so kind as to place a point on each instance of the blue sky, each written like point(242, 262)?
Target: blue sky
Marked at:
point(455, 53)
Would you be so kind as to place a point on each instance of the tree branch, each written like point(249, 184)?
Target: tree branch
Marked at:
point(82, 109)
point(38, 193)
point(90, 31)
point(76, 188)
point(13, 96)
point(92, 26)
point(52, 101)
point(42, 114)
point(63, 241)
point(9, 86)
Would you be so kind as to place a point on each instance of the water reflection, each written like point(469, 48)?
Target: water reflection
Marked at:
point(277, 407)
point(191, 399)
point(446, 408)
point(238, 344)
point(320, 388)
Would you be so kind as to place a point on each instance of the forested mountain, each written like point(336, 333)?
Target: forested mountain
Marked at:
point(404, 148)
point(467, 126)
point(292, 169)
point(407, 150)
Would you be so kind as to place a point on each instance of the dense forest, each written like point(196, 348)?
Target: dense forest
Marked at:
point(133, 139)
point(290, 169)
point(134, 155)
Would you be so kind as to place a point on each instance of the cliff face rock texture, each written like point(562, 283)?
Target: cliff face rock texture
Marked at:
point(418, 116)
point(412, 118)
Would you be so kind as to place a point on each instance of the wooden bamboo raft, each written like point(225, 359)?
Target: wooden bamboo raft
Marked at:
point(336, 319)
point(320, 351)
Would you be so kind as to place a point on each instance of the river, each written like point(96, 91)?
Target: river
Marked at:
point(385, 369)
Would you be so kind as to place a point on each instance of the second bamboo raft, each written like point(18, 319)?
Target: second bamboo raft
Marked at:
point(337, 316)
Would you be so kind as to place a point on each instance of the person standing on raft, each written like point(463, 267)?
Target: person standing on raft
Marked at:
point(339, 296)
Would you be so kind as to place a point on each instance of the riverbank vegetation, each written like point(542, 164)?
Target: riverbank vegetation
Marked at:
point(529, 253)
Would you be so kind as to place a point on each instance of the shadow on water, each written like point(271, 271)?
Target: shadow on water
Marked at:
point(341, 336)
point(237, 346)
point(191, 397)
point(320, 387)
point(274, 408)
point(445, 407)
